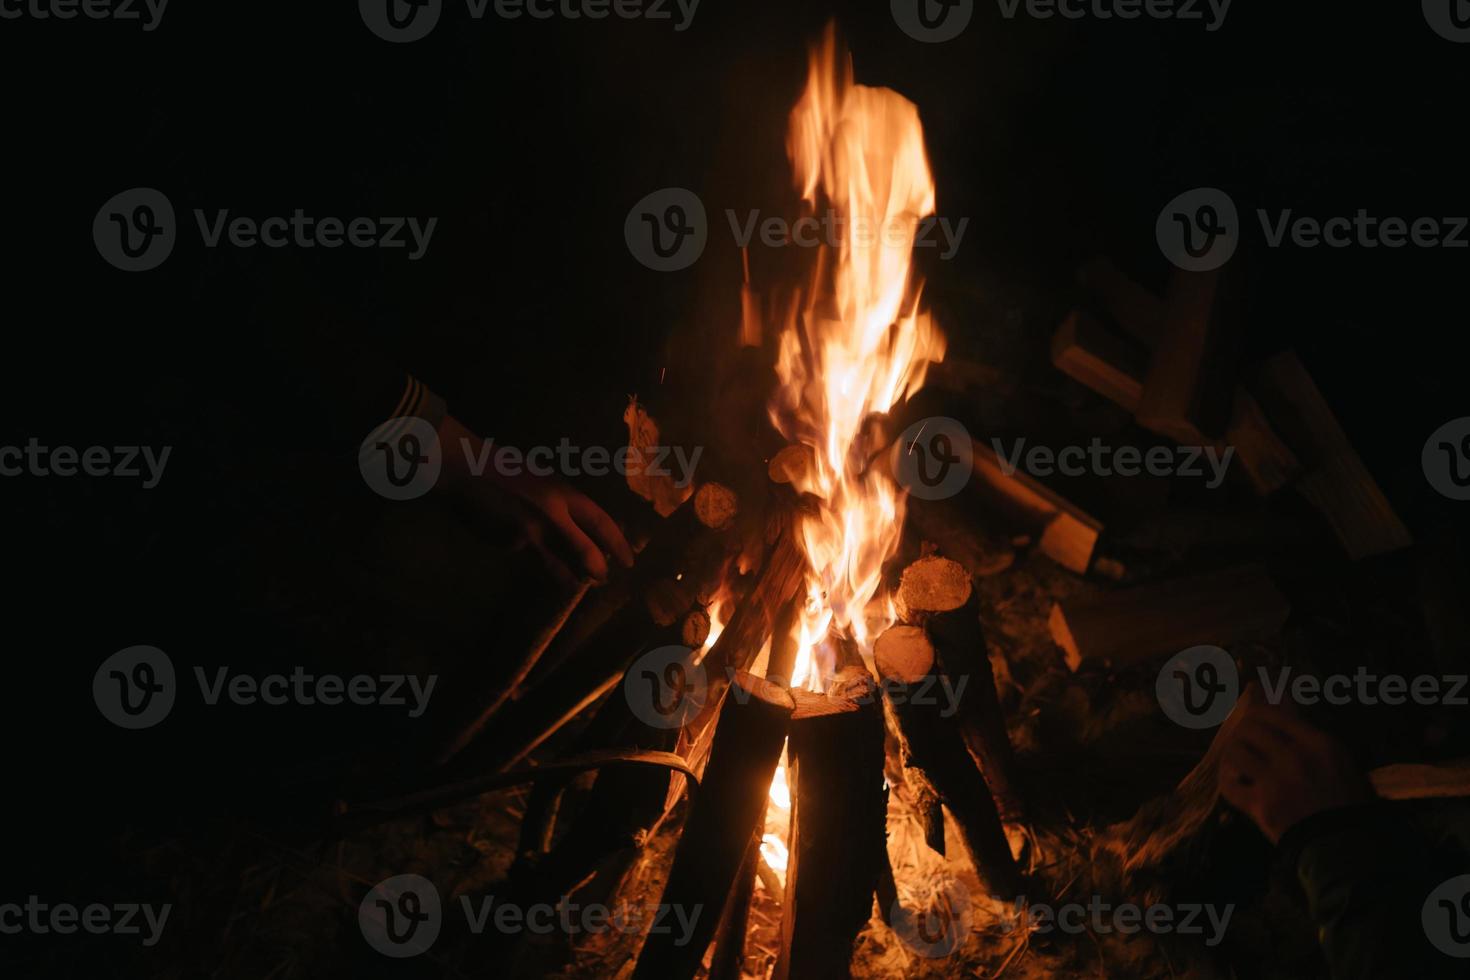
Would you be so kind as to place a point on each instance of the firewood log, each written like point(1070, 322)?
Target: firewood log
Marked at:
point(1133, 625)
point(726, 812)
point(841, 806)
point(932, 743)
point(937, 594)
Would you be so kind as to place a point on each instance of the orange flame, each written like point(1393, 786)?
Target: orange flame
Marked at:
point(861, 341)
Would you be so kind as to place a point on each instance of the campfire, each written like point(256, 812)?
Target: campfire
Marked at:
point(774, 642)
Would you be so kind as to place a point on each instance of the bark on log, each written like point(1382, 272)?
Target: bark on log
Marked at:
point(728, 959)
point(726, 812)
point(937, 594)
point(841, 807)
point(933, 744)
point(752, 623)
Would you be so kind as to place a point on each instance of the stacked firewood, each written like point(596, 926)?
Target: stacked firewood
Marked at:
point(738, 552)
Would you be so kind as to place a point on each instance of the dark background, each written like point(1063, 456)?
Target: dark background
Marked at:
point(529, 141)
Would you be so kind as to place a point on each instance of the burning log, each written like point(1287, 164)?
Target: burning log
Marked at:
point(726, 812)
point(836, 749)
point(937, 594)
point(752, 623)
point(933, 744)
point(1127, 627)
point(728, 957)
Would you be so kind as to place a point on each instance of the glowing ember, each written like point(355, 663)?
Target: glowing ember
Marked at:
point(860, 343)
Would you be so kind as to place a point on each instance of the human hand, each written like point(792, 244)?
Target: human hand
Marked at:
point(1279, 770)
point(557, 520)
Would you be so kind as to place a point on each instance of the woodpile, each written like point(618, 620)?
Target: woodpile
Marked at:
point(1176, 372)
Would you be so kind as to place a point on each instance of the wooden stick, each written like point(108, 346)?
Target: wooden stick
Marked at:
point(937, 594)
point(728, 959)
point(725, 814)
point(518, 675)
point(841, 805)
point(932, 743)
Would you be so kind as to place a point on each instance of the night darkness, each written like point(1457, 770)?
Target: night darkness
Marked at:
point(262, 549)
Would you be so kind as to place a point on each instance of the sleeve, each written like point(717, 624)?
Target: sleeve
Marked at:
point(1366, 874)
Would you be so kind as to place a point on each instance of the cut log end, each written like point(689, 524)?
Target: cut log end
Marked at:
point(932, 585)
point(695, 629)
point(904, 654)
point(716, 506)
point(791, 465)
